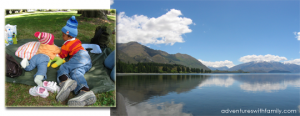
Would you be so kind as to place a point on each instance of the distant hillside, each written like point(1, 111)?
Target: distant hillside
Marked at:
point(134, 52)
point(278, 71)
point(293, 68)
point(218, 68)
point(125, 58)
point(265, 67)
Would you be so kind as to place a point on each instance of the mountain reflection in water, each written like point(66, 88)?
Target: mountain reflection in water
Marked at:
point(187, 95)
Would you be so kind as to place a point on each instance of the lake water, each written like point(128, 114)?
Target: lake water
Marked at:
point(211, 94)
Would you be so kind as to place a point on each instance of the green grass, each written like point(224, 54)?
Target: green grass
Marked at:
point(17, 94)
point(28, 24)
point(111, 17)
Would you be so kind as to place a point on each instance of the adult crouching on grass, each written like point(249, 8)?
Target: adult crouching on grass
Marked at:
point(70, 75)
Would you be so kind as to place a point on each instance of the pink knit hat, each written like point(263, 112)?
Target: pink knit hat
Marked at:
point(45, 38)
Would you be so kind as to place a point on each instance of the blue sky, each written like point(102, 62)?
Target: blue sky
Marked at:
point(214, 31)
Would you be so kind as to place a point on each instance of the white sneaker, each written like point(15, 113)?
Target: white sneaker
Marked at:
point(38, 91)
point(51, 86)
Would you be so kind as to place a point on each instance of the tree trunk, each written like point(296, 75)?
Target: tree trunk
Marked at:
point(7, 12)
point(94, 13)
point(78, 11)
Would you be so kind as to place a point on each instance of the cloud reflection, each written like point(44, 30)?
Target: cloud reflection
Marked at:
point(160, 109)
point(266, 84)
point(269, 87)
point(294, 83)
point(216, 81)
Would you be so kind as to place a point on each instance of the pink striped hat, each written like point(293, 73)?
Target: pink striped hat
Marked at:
point(45, 38)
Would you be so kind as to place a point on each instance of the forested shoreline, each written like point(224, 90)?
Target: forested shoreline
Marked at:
point(152, 67)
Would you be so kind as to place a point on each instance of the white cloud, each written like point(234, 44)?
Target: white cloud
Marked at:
point(216, 64)
point(259, 58)
point(166, 29)
point(297, 35)
point(295, 61)
point(111, 2)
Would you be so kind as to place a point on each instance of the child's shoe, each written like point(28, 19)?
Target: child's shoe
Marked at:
point(65, 88)
point(51, 86)
point(38, 91)
point(84, 98)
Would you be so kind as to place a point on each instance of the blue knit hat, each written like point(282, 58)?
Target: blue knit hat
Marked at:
point(71, 27)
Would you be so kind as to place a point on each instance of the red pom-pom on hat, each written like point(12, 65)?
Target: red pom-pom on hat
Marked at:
point(36, 34)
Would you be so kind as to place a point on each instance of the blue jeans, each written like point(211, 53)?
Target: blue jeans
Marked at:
point(109, 62)
point(113, 74)
point(75, 69)
point(40, 61)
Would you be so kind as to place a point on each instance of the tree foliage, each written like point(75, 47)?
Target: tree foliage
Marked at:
point(152, 67)
point(94, 13)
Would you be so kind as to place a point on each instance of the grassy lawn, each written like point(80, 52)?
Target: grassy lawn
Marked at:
point(17, 95)
point(27, 25)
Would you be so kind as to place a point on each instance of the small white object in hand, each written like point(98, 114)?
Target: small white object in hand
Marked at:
point(24, 63)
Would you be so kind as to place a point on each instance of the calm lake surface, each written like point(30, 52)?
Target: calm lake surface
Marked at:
point(211, 94)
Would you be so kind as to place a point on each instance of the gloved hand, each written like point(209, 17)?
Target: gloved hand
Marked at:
point(58, 62)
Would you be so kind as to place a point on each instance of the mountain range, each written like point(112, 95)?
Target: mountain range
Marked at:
point(218, 68)
point(133, 52)
point(263, 67)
